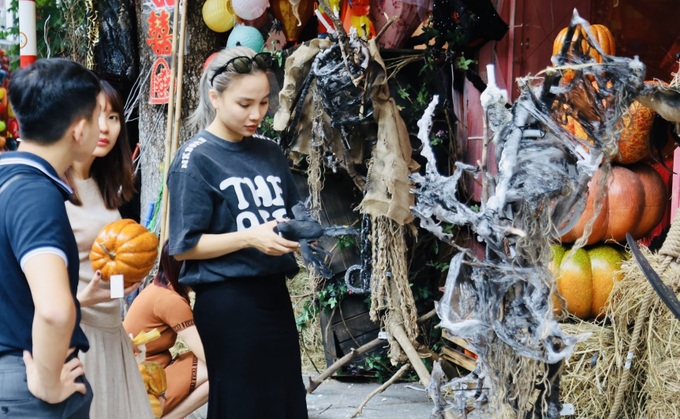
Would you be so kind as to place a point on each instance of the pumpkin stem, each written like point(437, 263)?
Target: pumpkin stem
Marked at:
point(109, 253)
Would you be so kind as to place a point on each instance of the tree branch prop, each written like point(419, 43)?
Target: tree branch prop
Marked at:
point(397, 375)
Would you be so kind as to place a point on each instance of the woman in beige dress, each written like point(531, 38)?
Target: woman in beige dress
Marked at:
point(100, 186)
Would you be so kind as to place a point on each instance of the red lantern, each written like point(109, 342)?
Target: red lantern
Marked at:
point(410, 17)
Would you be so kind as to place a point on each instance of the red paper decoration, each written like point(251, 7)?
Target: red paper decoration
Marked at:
point(159, 36)
point(160, 82)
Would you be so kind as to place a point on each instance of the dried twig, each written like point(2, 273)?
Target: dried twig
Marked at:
point(397, 375)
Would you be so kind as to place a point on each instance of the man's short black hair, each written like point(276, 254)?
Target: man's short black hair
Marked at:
point(49, 95)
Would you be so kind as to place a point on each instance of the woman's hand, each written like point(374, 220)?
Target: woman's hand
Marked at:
point(94, 293)
point(264, 239)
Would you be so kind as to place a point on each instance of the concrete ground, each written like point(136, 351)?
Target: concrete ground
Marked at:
point(339, 399)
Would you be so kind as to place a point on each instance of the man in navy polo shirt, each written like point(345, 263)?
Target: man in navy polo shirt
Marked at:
point(57, 103)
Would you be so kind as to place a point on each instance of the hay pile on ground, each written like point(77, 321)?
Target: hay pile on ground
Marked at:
point(587, 372)
point(652, 389)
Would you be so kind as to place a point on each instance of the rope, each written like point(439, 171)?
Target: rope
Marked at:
point(92, 33)
point(671, 251)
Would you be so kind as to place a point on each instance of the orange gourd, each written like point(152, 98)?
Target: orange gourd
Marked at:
point(635, 204)
point(600, 32)
point(124, 247)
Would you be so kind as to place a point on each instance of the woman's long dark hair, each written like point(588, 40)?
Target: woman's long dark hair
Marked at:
point(114, 172)
point(168, 272)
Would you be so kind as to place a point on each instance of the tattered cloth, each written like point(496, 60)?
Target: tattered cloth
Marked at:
point(387, 191)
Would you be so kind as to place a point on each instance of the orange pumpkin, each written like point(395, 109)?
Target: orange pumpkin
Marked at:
point(600, 32)
point(635, 128)
point(124, 247)
point(585, 278)
point(635, 203)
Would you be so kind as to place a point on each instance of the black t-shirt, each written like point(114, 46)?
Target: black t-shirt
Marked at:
point(33, 220)
point(217, 186)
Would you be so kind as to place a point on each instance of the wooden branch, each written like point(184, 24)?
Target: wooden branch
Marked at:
point(382, 388)
point(315, 382)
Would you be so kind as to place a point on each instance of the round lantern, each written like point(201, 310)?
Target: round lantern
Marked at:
point(246, 36)
point(217, 16)
point(249, 9)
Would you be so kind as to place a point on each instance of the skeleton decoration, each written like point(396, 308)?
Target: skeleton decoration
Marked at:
point(502, 305)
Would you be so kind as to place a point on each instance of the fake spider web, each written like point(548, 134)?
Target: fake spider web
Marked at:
point(502, 305)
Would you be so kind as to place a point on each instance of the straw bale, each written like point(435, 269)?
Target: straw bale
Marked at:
point(587, 372)
point(653, 389)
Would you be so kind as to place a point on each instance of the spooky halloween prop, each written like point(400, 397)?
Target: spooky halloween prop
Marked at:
point(336, 89)
point(306, 230)
point(126, 248)
point(501, 304)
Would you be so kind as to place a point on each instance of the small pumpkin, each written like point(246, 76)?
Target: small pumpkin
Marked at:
point(585, 278)
point(635, 203)
point(602, 35)
point(124, 247)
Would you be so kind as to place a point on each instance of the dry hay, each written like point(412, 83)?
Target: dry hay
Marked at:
point(653, 388)
point(586, 373)
point(301, 290)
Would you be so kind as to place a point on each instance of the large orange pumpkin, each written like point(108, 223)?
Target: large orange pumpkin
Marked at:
point(124, 247)
point(635, 204)
point(600, 32)
point(585, 278)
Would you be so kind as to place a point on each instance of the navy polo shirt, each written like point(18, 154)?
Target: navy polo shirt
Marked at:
point(33, 221)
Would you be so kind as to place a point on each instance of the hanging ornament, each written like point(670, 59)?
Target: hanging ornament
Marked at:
point(292, 25)
point(410, 16)
point(217, 16)
point(246, 36)
point(276, 39)
point(355, 15)
point(249, 9)
point(160, 82)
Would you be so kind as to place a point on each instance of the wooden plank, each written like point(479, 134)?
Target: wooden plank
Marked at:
point(458, 358)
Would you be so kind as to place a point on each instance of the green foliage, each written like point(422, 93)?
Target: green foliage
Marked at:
point(61, 30)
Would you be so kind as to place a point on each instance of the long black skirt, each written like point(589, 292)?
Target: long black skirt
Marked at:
point(252, 352)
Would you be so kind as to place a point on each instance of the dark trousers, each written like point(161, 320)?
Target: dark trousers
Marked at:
point(17, 402)
point(251, 348)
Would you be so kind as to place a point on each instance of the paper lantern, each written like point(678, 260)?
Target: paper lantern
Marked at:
point(249, 9)
point(283, 12)
point(217, 16)
point(246, 36)
point(409, 19)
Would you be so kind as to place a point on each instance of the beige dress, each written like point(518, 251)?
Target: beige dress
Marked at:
point(110, 366)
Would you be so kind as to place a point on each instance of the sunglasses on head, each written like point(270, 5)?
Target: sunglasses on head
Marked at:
point(244, 65)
